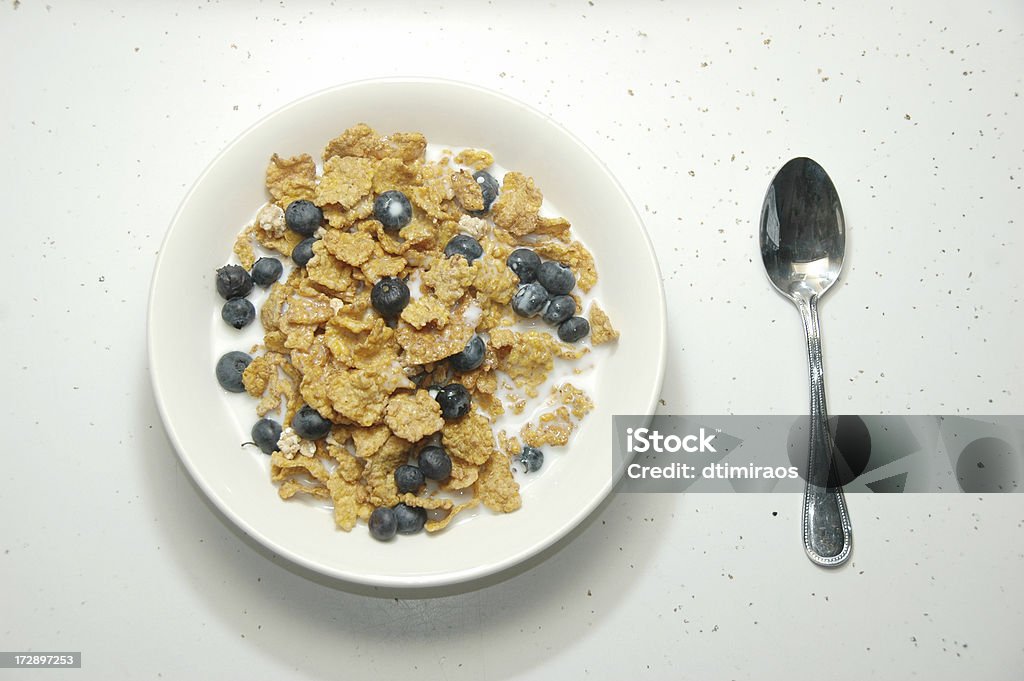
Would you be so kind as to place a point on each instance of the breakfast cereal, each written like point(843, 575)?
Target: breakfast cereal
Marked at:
point(369, 367)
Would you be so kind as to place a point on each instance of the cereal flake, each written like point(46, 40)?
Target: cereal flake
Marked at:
point(345, 180)
point(291, 179)
point(477, 159)
point(469, 438)
point(601, 329)
point(413, 416)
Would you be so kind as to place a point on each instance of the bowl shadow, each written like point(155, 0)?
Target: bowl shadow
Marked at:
point(281, 606)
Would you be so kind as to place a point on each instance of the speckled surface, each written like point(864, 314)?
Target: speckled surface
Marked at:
point(111, 110)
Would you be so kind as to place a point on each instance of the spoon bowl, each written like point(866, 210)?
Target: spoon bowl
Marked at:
point(803, 241)
point(803, 233)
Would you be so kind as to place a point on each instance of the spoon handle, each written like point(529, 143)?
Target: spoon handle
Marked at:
point(827, 533)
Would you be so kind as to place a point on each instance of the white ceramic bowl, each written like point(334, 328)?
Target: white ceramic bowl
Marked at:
point(201, 419)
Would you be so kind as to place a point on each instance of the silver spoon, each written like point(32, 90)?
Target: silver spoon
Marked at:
point(803, 239)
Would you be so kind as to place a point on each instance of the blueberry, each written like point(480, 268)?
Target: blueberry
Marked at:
point(266, 271)
point(435, 463)
point(408, 479)
point(229, 370)
point(238, 312)
point(559, 309)
point(393, 210)
point(471, 357)
point(303, 217)
point(410, 519)
point(524, 263)
point(454, 401)
point(383, 524)
point(233, 282)
point(556, 278)
point(531, 458)
point(265, 433)
point(309, 424)
point(488, 186)
point(303, 251)
point(464, 245)
point(573, 329)
point(529, 300)
point(389, 296)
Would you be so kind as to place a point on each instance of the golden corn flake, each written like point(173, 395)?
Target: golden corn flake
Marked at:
point(477, 159)
point(432, 344)
point(494, 314)
point(271, 399)
point(382, 265)
point(352, 248)
point(270, 313)
point(435, 193)
point(358, 395)
point(557, 227)
point(518, 204)
point(339, 217)
point(359, 140)
point(413, 416)
point(438, 525)
point(274, 341)
point(496, 487)
point(467, 191)
point(494, 280)
point(419, 234)
point(463, 474)
point(243, 249)
point(389, 242)
point(313, 310)
point(489, 403)
point(283, 244)
point(290, 488)
point(282, 467)
point(509, 445)
point(573, 398)
point(393, 173)
point(552, 428)
point(300, 337)
point(404, 146)
point(425, 310)
point(347, 497)
point(429, 503)
point(349, 468)
point(313, 390)
point(378, 351)
point(369, 440)
point(291, 179)
point(601, 329)
point(469, 438)
point(327, 271)
point(345, 180)
point(380, 471)
point(449, 278)
point(257, 375)
point(528, 357)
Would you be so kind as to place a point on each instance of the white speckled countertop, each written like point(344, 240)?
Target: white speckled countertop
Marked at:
point(111, 110)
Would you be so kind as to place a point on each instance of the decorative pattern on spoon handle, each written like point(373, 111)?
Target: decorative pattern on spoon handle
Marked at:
point(827, 532)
